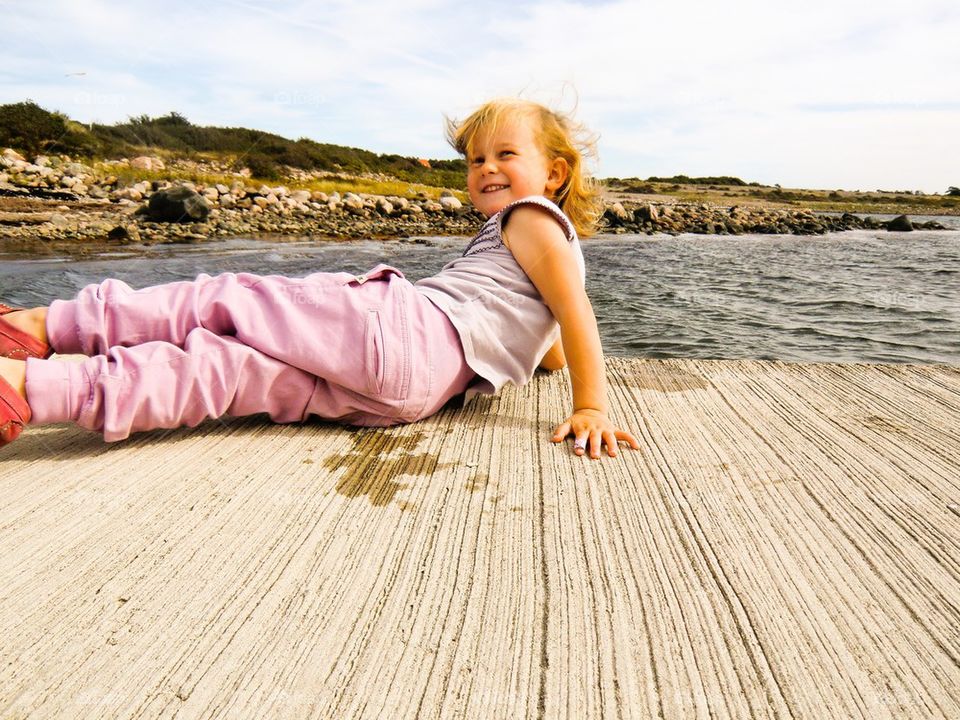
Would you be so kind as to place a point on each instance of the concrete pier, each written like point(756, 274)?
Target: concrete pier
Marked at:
point(785, 544)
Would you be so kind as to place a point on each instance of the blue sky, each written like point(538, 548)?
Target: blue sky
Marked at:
point(851, 94)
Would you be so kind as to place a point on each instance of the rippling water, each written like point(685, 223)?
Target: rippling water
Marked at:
point(862, 296)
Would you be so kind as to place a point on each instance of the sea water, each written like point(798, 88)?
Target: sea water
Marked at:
point(858, 296)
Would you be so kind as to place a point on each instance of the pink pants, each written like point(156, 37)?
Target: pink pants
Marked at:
point(363, 350)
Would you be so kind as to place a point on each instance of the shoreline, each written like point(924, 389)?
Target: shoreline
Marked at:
point(54, 207)
point(47, 227)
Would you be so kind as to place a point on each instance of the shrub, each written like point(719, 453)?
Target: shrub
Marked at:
point(27, 126)
point(261, 166)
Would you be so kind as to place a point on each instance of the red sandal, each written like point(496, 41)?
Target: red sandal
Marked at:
point(15, 343)
point(14, 413)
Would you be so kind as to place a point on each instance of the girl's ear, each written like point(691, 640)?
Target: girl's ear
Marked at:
point(559, 170)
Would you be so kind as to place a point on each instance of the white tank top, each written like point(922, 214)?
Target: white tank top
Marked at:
point(503, 323)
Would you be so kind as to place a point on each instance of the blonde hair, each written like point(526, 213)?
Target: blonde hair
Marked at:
point(559, 137)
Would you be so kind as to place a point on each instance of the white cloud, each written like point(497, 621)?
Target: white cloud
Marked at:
point(847, 93)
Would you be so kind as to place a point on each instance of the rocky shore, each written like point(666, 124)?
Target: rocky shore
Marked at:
point(54, 205)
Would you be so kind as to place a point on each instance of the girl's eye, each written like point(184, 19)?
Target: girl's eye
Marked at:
point(507, 152)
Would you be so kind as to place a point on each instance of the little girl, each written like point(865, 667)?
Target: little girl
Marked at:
point(371, 349)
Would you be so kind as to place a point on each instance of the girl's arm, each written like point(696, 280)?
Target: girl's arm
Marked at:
point(540, 247)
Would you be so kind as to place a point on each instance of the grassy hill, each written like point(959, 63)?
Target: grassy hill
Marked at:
point(27, 127)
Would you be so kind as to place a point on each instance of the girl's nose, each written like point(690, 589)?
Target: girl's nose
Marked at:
point(489, 167)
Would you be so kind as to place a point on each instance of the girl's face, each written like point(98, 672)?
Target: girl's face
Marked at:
point(507, 165)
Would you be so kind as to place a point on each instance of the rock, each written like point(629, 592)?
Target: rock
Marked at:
point(75, 169)
point(901, 223)
point(222, 189)
point(127, 193)
point(301, 196)
point(353, 203)
point(178, 204)
point(59, 220)
point(647, 211)
point(384, 207)
point(98, 193)
point(124, 234)
point(320, 197)
point(145, 162)
point(450, 203)
point(13, 156)
point(261, 201)
point(431, 206)
point(42, 161)
point(851, 221)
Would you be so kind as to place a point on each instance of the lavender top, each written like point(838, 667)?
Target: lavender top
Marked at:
point(503, 323)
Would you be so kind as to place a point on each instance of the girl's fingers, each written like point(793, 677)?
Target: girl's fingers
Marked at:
point(621, 435)
point(611, 441)
point(595, 443)
point(561, 432)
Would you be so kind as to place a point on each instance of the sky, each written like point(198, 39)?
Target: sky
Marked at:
point(838, 94)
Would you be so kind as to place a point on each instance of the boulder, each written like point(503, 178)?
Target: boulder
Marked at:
point(13, 156)
point(450, 203)
point(124, 234)
point(901, 223)
point(178, 204)
point(145, 162)
point(353, 202)
point(647, 212)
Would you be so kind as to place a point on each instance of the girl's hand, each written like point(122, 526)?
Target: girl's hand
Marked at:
point(592, 428)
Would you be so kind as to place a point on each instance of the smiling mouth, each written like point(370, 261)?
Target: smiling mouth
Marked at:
point(494, 188)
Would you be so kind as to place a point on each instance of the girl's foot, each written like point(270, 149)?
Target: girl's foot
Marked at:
point(23, 333)
point(14, 410)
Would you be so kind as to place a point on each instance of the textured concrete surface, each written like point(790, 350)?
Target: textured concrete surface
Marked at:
point(786, 544)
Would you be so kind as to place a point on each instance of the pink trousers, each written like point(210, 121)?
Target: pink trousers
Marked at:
point(360, 349)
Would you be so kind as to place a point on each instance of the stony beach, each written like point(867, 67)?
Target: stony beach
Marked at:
point(55, 205)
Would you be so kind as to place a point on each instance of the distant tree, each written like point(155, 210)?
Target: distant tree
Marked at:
point(953, 190)
point(27, 126)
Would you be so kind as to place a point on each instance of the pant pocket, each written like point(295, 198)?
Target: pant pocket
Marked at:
point(374, 353)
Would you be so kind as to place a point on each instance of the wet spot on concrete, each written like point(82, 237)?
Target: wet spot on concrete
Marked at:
point(378, 457)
